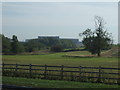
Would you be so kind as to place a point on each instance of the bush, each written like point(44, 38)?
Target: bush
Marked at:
point(56, 48)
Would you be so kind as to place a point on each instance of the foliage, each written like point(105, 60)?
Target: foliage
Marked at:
point(21, 47)
point(32, 45)
point(67, 44)
point(47, 43)
point(98, 40)
point(6, 45)
point(56, 48)
point(16, 46)
point(11, 46)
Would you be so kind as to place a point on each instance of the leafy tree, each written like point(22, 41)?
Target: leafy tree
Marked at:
point(17, 47)
point(21, 48)
point(31, 45)
point(98, 40)
point(67, 43)
point(49, 41)
point(6, 45)
point(14, 45)
point(34, 45)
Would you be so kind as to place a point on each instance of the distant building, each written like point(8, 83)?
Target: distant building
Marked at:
point(75, 41)
point(53, 37)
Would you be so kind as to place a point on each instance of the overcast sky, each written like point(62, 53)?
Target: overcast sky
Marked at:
point(30, 20)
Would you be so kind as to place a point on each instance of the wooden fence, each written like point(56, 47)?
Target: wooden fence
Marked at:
point(80, 73)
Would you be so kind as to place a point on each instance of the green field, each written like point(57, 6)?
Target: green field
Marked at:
point(58, 59)
point(52, 83)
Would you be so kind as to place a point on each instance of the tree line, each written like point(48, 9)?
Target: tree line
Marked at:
point(13, 46)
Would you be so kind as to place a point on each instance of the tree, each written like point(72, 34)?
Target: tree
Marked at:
point(56, 48)
point(17, 47)
point(33, 45)
point(67, 44)
point(6, 45)
point(99, 39)
point(14, 44)
point(21, 47)
point(47, 43)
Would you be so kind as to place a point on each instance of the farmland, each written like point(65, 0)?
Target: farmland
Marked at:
point(59, 59)
point(44, 46)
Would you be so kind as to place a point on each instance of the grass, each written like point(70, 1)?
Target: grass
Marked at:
point(39, 83)
point(58, 59)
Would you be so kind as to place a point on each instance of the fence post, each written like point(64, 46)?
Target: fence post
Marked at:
point(30, 69)
point(99, 77)
point(3, 68)
point(80, 73)
point(45, 72)
point(62, 71)
point(72, 76)
point(16, 68)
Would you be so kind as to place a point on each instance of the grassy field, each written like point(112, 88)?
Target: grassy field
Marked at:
point(58, 59)
point(52, 83)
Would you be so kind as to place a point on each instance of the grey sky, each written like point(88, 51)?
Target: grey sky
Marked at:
point(29, 20)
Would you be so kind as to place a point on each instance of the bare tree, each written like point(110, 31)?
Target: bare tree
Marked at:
point(99, 25)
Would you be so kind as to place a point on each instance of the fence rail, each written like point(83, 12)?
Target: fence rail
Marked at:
point(80, 73)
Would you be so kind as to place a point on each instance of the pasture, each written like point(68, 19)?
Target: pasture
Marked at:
point(59, 59)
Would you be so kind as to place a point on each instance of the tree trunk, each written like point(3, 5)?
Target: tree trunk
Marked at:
point(99, 53)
